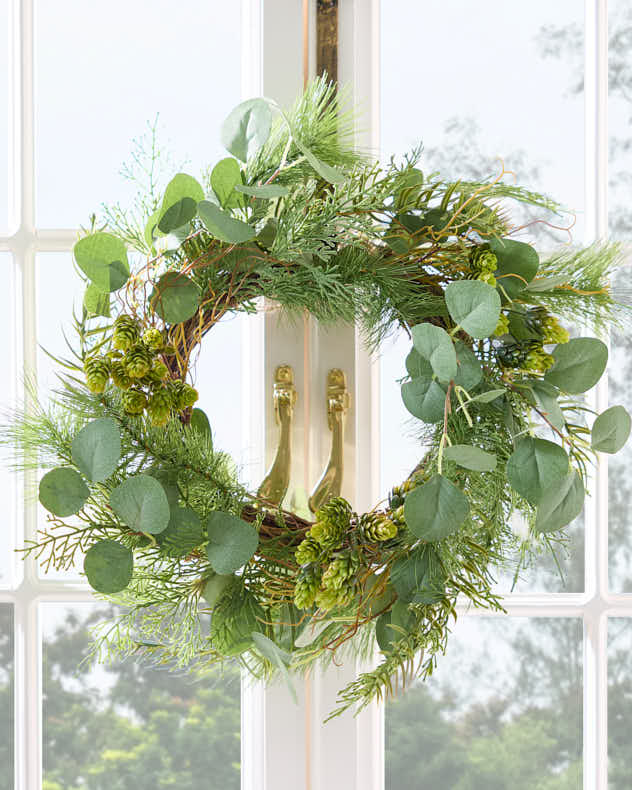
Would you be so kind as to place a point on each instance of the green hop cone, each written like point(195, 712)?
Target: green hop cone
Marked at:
point(553, 332)
point(503, 326)
point(97, 370)
point(184, 395)
point(134, 402)
point(377, 527)
point(482, 259)
point(138, 361)
point(153, 339)
point(119, 375)
point(306, 589)
point(340, 572)
point(308, 551)
point(125, 333)
point(160, 406)
point(487, 277)
point(159, 371)
point(537, 361)
point(329, 597)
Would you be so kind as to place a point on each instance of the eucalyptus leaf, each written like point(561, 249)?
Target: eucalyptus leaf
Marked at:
point(424, 398)
point(579, 364)
point(435, 345)
point(222, 226)
point(469, 372)
point(384, 634)
point(417, 366)
point(96, 449)
point(488, 396)
point(435, 509)
point(247, 128)
point(471, 457)
point(474, 306)
point(517, 265)
point(325, 171)
point(611, 430)
point(182, 185)
point(215, 587)
point(108, 566)
point(534, 466)
point(264, 191)
point(183, 533)
point(546, 396)
point(96, 302)
point(232, 542)
point(181, 213)
point(102, 257)
point(549, 283)
point(175, 298)
point(200, 422)
point(62, 491)
point(418, 577)
point(561, 503)
point(225, 178)
point(141, 503)
point(276, 656)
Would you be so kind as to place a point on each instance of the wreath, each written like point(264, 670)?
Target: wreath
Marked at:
point(494, 380)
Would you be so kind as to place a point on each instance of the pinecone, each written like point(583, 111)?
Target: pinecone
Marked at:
point(119, 375)
point(340, 571)
point(97, 370)
point(153, 339)
point(125, 332)
point(306, 589)
point(308, 551)
point(377, 527)
point(184, 395)
point(160, 406)
point(138, 361)
point(134, 402)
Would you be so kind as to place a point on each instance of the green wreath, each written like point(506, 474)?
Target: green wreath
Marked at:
point(298, 216)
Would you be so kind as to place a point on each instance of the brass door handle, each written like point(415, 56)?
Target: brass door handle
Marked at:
point(276, 482)
point(338, 400)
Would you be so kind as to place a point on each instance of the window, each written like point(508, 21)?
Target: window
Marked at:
point(545, 689)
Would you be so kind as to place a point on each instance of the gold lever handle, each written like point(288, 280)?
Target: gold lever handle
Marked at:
point(338, 400)
point(276, 482)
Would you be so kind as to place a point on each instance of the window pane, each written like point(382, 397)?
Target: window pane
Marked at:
point(469, 114)
point(619, 703)
point(127, 726)
point(100, 79)
point(503, 711)
point(6, 696)
point(5, 186)
point(620, 117)
point(9, 480)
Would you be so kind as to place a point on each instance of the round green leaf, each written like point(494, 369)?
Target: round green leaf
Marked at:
point(489, 396)
point(181, 186)
point(471, 457)
point(247, 128)
point(175, 298)
point(469, 372)
point(200, 422)
point(225, 178)
point(215, 587)
point(579, 364)
point(96, 302)
point(108, 566)
point(435, 345)
point(561, 504)
point(141, 503)
point(96, 449)
point(474, 305)
point(517, 265)
point(417, 366)
point(222, 226)
point(263, 191)
point(436, 509)
point(611, 430)
point(232, 542)
point(534, 466)
point(424, 399)
point(63, 492)
point(418, 577)
point(102, 257)
point(177, 215)
point(183, 534)
point(546, 396)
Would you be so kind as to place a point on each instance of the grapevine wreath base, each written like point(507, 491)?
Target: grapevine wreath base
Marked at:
point(496, 385)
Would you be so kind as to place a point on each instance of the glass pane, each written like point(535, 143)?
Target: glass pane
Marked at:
point(619, 703)
point(6, 696)
point(5, 186)
point(620, 215)
point(503, 711)
point(127, 726)
point(100, 79)
point(469, 115)
point(9, 480)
